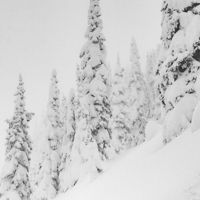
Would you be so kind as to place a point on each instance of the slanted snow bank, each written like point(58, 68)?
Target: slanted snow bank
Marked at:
point(152, 129)
point(191, 192)
point(147, 172)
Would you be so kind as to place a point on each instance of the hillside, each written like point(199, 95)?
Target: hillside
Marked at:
point(150, 171)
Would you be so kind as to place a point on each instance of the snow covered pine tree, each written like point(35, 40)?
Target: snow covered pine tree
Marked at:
point(120, 122)
point(38, 153)
point(63, 113)
point(63, 150)
point(93, 137)
point(150, 83)
point(178, 64)
point(67, 143)
point(137, 97)
point(157, 110)
point(48, 180)
point(85, 156)
point(95, 82)
point(14, 179)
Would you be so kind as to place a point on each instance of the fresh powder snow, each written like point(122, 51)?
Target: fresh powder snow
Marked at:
point(147, 172)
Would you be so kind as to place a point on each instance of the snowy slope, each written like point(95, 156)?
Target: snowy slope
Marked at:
point(150, 171)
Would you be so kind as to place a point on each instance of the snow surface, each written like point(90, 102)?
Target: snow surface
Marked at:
point(150, 171)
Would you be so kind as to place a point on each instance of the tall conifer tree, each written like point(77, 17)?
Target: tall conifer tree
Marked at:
point(95, 81)
point(137, 97)
point(48, 179)
point(120, 122)
point(18, 148)
point(178, 65)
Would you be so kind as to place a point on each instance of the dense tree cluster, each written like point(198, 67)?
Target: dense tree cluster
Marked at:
point(107, 113)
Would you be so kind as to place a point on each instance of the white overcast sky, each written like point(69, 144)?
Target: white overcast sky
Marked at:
point(37, 36)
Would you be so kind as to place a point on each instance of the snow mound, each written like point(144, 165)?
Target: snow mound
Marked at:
point(179, 118)
point(152, 129)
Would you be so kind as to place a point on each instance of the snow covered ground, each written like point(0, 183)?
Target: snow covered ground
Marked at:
point(150, 171)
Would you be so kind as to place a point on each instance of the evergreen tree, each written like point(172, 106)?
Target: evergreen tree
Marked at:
point(150, 83)
point(120, 122)
point(178, 65)
point(67, 142)
point(48, 179)
point(78, 80)
point(63, 112)
point(85, 159)
point(91, 162)
point(54, 125)
point(63, 117)
point(137, 97)
point(157, 112)
point(37, 154)
point(71, 123)
point(79, 88)
point(82, 150)
point(95, 81)
point(63, 151)
point(109, 81)
point(92, 107)
point(18, 149)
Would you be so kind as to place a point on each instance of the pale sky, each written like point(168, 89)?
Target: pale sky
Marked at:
point(37, 36)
